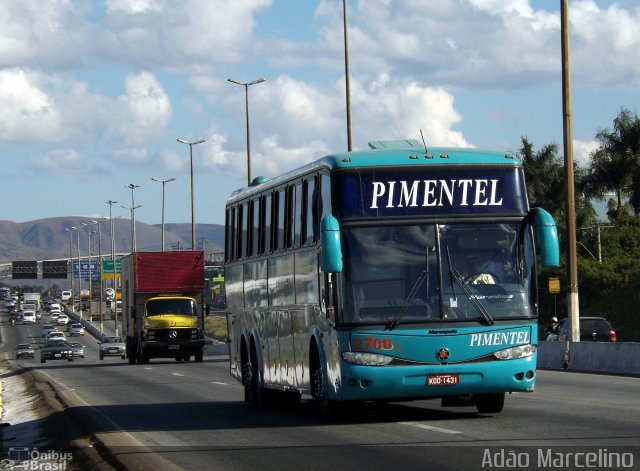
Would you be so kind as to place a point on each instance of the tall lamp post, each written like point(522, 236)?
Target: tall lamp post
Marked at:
point(246, 86)
point(113, 262)
point(193, 218)
point(89, 236)
point(163, 183)
point(71, 264)
point(133, 208)
point(77, 229)
point(99, 233)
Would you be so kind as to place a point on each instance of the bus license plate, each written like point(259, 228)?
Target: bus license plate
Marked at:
point(443, 380)
point(174, 347)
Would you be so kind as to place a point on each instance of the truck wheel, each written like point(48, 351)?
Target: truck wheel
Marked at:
point(101, 357)
point(198, 356)
point(186, 357)
point(42, 360)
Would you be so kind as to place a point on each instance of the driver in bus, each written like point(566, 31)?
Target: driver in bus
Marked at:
point(475, 274)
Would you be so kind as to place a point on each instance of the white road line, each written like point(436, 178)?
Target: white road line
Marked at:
point(431, 428)
point(219, 383)
point(177, 374)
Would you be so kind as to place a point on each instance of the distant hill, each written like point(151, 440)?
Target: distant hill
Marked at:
point(45, 239)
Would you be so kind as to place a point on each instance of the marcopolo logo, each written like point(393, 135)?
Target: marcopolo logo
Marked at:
point(32, 459)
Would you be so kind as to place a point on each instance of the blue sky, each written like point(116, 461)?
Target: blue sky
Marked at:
point(93, 95)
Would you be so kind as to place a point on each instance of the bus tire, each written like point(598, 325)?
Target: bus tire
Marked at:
point(328, 408)
point(489, 403)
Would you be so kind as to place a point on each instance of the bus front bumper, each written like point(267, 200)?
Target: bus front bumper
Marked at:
point(359, 382)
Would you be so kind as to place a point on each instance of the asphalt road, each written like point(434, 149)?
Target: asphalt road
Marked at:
point(192, 415)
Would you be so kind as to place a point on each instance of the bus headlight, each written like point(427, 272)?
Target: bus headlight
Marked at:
point(369, 359)
point(513, 353)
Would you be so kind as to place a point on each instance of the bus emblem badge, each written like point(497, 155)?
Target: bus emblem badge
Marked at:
point(173, 334)
point(442, 354)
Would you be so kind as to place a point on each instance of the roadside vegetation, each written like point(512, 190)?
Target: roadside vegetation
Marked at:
point(216, 327)
point(608, 250)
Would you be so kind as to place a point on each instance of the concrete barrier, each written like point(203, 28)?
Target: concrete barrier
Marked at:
point(621, 358)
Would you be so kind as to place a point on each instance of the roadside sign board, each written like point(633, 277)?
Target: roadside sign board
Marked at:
point(107, 269)
point(87, 268)
point(554, 285)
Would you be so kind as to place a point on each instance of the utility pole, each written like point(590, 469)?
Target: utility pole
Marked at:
point(572, 261)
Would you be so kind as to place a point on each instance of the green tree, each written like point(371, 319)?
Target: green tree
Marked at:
point(615, 165)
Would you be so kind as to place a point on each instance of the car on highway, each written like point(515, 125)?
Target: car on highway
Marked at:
point(25, 350)
point(62, 319)
point(56, 350)
point(47, 329)
point(78, 349)
point(65, 296)
point(111, 346)
point(28, 317)
point(592, 329)
point(75, 330)
point(55, 307)
point(55, 335)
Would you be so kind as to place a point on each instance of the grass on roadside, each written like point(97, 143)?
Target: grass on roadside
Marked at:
point(216, 327)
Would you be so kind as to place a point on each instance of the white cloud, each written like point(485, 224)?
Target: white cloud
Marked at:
point(582, 150)
point(27, 112)
point(61, 161)
point(145, 102)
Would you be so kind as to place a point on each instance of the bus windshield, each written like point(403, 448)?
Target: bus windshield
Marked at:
point(443, 273)
point(158, 307)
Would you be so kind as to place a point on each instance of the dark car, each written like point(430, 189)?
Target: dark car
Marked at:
point(56, 350)
point(24, 350)
point(592, 329)
point(112, 346)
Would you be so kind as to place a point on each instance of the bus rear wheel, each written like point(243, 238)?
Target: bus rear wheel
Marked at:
point(489, 403)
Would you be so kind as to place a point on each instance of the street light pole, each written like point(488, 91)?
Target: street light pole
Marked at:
point(114, 306)
point(163, 183)
point(193, 218)
point(89, 234)
point(77, 229)
point(100, 272)
point(346, 75)
point(246, 86)
point(133, 207)
point(71, 264)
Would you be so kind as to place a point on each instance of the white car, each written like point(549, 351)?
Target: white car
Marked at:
point(62, 319)
point(28, 317)
point(65, 296)
point(47, 329)
point(75, 329)
point(56, 335)
point(55, 307)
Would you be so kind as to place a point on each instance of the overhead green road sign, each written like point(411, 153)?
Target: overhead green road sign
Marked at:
point(107, 268)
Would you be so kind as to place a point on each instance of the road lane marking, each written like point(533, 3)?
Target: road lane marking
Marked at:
point(177, 374)
point(219, 383)
point(431, 428)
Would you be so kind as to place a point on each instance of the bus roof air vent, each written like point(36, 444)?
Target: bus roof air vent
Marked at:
point(258, 180)
point(444, 156)
point(508, 156)
point(347, 159)
point(397, 144)
point(413, 156)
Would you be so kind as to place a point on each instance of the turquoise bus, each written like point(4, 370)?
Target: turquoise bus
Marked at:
point(348, 279)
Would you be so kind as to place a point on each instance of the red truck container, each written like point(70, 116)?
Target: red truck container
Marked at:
point(162, 305)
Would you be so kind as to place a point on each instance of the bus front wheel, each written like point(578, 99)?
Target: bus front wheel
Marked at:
point(489, 403)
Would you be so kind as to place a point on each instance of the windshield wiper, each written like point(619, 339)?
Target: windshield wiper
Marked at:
point(412, 294)
point(458, 278)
